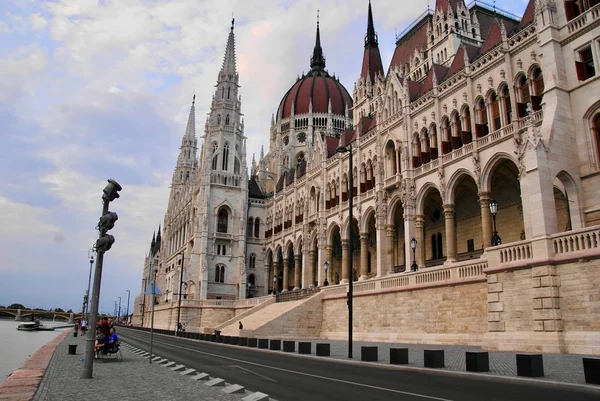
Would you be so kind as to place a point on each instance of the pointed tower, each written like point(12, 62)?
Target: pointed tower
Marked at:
point(219, 240)
point(186, 161)
point(371, 65)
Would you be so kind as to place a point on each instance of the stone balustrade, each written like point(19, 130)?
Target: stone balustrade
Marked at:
point(576, 241)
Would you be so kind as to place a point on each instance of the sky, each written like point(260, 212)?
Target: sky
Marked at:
point(97, 89)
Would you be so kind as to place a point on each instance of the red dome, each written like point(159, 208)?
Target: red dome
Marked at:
point(319, 87)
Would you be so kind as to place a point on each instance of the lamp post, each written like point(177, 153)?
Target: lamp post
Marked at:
point(152, 315)
point(119, 312)
point(274, 283)
point(326, 267)
point(179, 295)
point(87, 293)
point(413, 245)
point(344, 149)
point(496, 240)
point(128, 294)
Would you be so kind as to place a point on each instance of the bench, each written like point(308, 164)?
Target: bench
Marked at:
point(115, 350)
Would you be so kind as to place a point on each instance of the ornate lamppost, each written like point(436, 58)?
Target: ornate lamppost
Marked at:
point(496, 240)
point(413, 245)
point(326, 267)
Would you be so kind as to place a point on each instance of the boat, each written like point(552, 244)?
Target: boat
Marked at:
point(34, 326)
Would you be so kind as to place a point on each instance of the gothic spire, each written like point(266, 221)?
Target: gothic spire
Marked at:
point(190, 130)
point(229, 64)
point(317, 61)
point(153, 243)
point(371, 37)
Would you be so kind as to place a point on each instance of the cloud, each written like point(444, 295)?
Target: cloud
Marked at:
point(38, 22)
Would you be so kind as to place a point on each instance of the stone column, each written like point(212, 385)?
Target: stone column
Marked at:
point(311, 267)
point(486, 219)
point(450, 233)
point(420, 236)
point(297, 271)
point(329, 258)
point(389, 234)
point(344, 266)
point(268, 279)
point(286, 274)
point(364, 256)
point(275, 274)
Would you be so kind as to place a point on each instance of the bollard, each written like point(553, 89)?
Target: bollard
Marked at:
point(252, 342)
point(304, 348)
point(275, 345)
point(243, 341)
point(289, 346)
point(434, 358)
point(478, 362)
point(221, 339)
point(591, 370)
point(323, 349)
point(530, 365)
point(213, 338)
point(263, 343)
point(72, 349)
point(226, 339)
point(235, 341)
point(368, 354)
point(399, 356)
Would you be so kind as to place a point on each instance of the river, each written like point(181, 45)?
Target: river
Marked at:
point(17, 346)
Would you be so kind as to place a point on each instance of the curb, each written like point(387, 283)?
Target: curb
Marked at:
point(23, 383)
point(204, 378)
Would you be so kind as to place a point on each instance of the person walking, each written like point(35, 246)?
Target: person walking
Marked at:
point(241, 326)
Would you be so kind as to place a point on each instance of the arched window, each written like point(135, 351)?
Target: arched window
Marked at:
point(537, 92)
point(596, 132)
point(416, 151)
point(225, 156)
point(456, 140)
point(257, 228)
point(220, 274)
point(252, 279)
point(481, 121)
point(250, 227)
point(252, 261)
point(506, 104)
point(215, 156)
point(219, 119)
point(433, 151)
point(467, 134)
point(236, 166)
point(222, 93)
point(390, 155)
point(222, 221)
point(495, 105)
point(425, 145)
point(227, 119)
point(522, 96)
point(228, 92)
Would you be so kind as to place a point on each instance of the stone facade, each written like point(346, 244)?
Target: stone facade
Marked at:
point(477, 108)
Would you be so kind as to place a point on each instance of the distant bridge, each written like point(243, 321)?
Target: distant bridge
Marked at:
point(26, 314)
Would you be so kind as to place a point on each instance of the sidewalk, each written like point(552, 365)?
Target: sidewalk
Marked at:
point(131, 379)
point(562, 368)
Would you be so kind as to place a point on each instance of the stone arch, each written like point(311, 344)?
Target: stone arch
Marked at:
point(490, 165)
point(391, 157)
point(571, 191)
point(331, 230)
point(453, 181)
point(591, 126)
point(393, 203)
point(423, 192)
point(289, 247)
point(365, 219)
point(298, 244)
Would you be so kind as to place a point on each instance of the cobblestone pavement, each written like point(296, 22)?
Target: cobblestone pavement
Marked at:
point(566, 368)
point(131, 379)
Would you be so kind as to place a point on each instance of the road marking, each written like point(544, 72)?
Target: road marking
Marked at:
point(307, 374)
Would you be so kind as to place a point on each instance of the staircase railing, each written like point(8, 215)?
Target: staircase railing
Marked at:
point(296, 295)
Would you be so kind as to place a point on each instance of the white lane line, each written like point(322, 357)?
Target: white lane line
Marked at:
point(308, 374)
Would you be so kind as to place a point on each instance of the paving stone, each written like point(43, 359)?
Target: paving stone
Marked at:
point(127, 380)
point(217, 382)
point(258, 396)
point(168, 365)
point(201, 376)
point(234, 389)
point(177, 368)
point(187, 372)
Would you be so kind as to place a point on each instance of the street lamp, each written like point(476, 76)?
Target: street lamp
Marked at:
point(344, 149)
point(128, 294)
point(152, 315)
point(326, 267)
point(179, 295)
point(87, 293)
point(496, 240)
point(119, 312)
point(274, 284)
point(413, 245)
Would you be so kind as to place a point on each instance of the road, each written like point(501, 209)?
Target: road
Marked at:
point(289, 377)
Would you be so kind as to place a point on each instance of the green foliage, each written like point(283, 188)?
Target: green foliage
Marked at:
point(59, 310)
point(17, 306)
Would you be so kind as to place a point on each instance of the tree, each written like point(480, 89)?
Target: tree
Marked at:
point(17, 306)
point(59, 310)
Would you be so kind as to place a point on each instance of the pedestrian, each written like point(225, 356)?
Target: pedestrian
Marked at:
point(241, 326)
point(83, 326)
point(76, 328)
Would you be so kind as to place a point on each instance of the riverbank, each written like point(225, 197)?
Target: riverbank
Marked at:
point(22, 384)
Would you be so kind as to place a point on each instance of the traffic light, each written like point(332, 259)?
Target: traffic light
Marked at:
point(104, 243)
point(107, 221)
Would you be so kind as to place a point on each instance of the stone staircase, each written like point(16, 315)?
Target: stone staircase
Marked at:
point(292, 319)
point(260, 317)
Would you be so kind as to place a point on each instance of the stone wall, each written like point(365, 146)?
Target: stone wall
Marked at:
point(212, 317)
point(454, 314)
